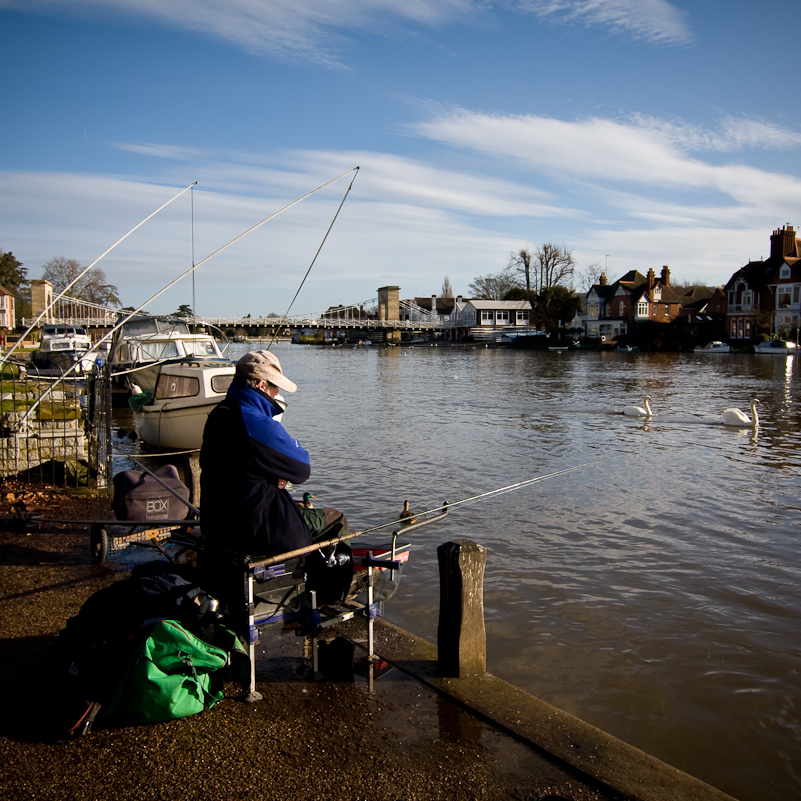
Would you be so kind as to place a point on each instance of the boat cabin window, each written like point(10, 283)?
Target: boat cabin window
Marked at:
point(158, 350)
point(177, 386)
point(200, 348)
point(220, 383)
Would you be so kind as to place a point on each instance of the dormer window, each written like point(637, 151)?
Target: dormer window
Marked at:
point(657, 292)
point(784, 273)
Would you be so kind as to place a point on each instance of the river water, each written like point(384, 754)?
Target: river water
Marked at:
point(655, 594)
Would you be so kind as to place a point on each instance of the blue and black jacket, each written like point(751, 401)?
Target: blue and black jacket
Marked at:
point(245, 452)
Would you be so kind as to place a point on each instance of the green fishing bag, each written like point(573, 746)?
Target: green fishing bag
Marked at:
point(169, 677)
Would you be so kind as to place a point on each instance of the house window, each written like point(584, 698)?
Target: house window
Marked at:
point(733, 329)
point(621, 308)
point(642, 308)
point(521, 317)
point(502, 318)
point(487, 317)
point(784, 297)
point(748, 329)
point(796, 294)
point(784, 273)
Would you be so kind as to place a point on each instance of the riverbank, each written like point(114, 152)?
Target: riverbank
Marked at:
point(416, 737)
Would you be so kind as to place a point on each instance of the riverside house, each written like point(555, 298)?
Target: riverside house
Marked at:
point(764, 297)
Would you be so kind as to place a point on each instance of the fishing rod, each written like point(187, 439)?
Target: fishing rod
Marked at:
point(331, 225)
point(86, 270)
point(431, 515)
point(183, 275)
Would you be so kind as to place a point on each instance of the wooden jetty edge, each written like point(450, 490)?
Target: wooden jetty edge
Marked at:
point(604, 758)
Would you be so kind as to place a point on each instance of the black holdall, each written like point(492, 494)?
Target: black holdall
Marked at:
point(140, 496)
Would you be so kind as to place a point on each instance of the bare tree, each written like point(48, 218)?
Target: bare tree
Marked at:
point(495, 287)
point(520, 261)
point(545, 267)
point(588, 276)
point(447, 289)
point(92, 287)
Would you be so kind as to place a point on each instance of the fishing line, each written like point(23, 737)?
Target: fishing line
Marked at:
point(341, 204)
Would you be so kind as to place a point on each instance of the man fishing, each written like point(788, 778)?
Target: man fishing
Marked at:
point(247, 459)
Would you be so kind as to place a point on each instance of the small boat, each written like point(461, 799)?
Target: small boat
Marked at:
point(716, 346)
point(61, 347)
point(144, 344)
point(777, 347)
point(173, 415)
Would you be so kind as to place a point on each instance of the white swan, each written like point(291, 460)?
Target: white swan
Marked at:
point(737, 417)
point(638, 411)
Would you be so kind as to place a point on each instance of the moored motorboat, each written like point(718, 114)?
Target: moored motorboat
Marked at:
point(63, 348)
point(776, 347)
point(144, 344)
point(716, 346)
point(172, 416)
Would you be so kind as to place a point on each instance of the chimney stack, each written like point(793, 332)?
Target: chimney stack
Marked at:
point(782, 242)
point(665, 275)
point(651, 278)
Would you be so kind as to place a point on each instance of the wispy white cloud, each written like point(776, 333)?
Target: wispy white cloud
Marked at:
point(316, 30)
point(657, 21)
point(646, 192)
point(610, 152)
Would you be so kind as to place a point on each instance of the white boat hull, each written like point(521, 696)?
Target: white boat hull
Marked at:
point(777, 347)
point(714, 347)
point(174, 417)
point(173, 428)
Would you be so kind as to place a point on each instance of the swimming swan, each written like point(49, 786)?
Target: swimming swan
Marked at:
point(638, 411)
point(736, 417)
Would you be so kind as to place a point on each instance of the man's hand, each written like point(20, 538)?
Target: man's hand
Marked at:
point(282, 483)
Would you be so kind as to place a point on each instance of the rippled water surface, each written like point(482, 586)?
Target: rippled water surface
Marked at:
point(655, 594)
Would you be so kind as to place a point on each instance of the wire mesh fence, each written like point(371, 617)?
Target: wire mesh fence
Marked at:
point(55, 429)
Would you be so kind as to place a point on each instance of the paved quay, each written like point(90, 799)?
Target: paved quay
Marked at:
point(415, 737)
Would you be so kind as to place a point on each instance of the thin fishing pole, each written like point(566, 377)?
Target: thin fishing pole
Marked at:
point(183, 275)
point(235, 239)
point(292, 302)
point(192, 215)
point(492, 493)
point(86, 270)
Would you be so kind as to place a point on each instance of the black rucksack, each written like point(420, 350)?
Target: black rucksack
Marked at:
point(93, 651)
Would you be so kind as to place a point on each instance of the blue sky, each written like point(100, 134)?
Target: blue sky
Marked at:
point(637, 133)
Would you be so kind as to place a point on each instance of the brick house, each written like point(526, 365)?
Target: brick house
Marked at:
point(765, 296)
point(611, 309)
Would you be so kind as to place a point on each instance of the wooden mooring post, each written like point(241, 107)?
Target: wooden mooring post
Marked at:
point(461, 637)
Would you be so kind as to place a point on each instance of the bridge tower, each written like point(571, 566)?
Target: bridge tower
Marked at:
point(389, 309)
point(41, 298)
point(389, 303)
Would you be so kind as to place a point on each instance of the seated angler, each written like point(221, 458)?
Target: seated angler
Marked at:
point(246, 461)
